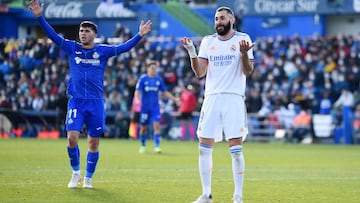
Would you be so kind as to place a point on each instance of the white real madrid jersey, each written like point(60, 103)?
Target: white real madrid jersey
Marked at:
point(224, 72)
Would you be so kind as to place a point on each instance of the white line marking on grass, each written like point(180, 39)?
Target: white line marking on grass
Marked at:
point(188, 180)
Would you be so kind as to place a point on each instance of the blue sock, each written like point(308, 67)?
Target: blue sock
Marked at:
point(74, 156)
point(143, 139)
point(157, 140)
point(91, 161)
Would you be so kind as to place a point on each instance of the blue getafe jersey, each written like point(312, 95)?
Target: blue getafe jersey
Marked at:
point(87, 66)
point(150, 88)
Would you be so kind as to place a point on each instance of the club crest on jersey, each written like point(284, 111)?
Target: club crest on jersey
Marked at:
point(233, 47)
point(95, 55)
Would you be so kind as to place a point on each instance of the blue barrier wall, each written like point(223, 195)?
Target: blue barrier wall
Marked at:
point(305, 25)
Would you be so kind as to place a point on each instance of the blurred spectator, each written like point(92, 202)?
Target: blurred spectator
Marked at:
point(119, 30)
point(38, 102)
point(253, 100)
point(11, 48)
point(4, 134)
point(187, 106)
point(5, 67)
point(26, 62)
point(135, 117)
point(346, 103)
point(301, 125)
point(170, 78)
point(121, 126)
point(16, 131)
point(285, 115)
point(325, 105)
point(167, 109)
point(356, 123)
point(28, 132)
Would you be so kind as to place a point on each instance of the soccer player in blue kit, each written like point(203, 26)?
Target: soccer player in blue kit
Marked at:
point(147, 91)
point(87, 62)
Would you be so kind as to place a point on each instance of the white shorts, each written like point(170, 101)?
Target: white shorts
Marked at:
point(223, 115)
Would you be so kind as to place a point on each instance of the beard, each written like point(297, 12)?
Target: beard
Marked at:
point(224, 31)
point(85, 41)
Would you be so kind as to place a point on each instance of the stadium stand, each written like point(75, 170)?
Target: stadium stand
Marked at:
point(288, 70)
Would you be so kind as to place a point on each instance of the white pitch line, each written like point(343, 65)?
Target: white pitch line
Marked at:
point(218, 179)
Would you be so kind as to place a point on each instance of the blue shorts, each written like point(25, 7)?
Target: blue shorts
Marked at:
point(151, 114)
point(90, 112)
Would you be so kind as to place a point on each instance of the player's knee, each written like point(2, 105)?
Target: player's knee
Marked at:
point(72, 141)
point(93, 144)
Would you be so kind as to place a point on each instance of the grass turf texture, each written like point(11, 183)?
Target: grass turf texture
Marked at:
point(38, 171)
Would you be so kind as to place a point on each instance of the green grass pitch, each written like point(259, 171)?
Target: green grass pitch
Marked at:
point(38, 171)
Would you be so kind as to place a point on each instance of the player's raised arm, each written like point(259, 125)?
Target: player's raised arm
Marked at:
point(37, 10)
point(199, 66)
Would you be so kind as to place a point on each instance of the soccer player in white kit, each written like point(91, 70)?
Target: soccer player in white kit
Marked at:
point(226, 59)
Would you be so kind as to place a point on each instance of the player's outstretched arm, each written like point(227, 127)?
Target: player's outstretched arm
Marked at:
point(172, 97)
point(36, 8)
point(144, 29)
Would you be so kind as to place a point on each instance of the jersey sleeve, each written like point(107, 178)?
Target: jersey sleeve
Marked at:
point(115, 50)
point(139, 84)
point(50, 32)
point(162, 87)
point(202, 49)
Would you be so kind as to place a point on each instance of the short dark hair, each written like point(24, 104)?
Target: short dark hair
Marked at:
point(227, 9)
point(151, 62)
point(89, 24)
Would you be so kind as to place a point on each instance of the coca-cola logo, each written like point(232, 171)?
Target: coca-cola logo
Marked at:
point(68, 10)
point(116, 10)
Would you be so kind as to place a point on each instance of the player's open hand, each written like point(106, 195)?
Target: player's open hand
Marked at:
point(36, 8)
point(189, 46)
point(186, 41)
point(245, 46)
point(145, 27)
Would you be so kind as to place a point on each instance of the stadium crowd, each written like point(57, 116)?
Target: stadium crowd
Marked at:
point(291, 73)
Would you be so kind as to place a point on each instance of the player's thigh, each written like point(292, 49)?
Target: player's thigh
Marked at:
point(95, 118)
point(144, 118)
point(75, 115)
point(209, 125)
point(234, 116)
point(155, 115)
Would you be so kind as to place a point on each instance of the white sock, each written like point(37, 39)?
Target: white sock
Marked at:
point(238, 168)
point(205, 167)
